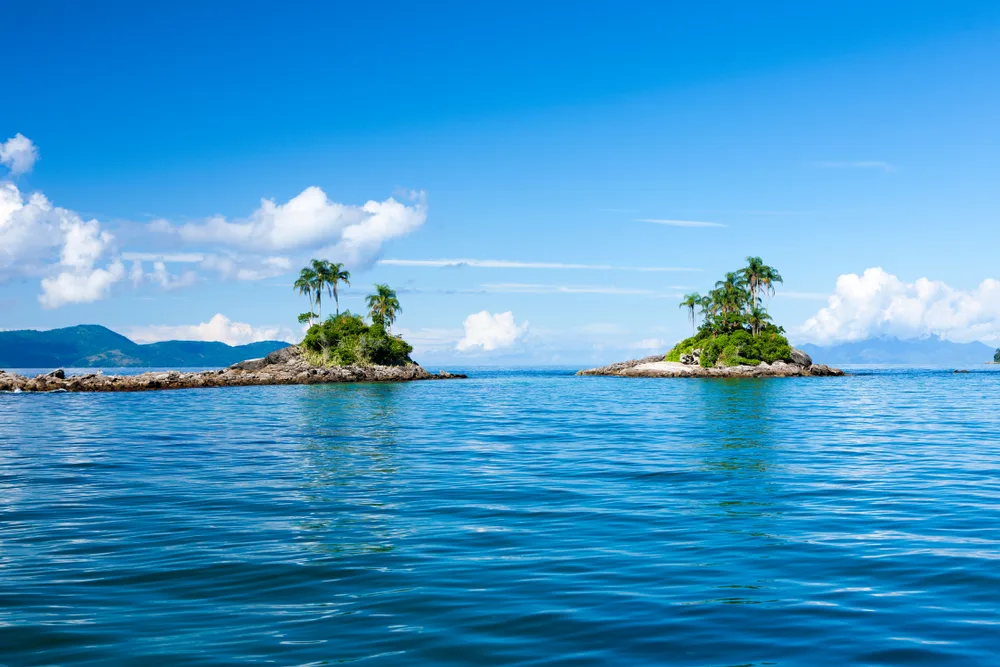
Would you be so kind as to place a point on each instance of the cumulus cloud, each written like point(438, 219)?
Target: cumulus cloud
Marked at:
point(32, 230)
point(18, 154)
point(80, 286)
point(220, 328)
point(78, 260)
point(488, 332)
point(878, 303)
point(310, 220)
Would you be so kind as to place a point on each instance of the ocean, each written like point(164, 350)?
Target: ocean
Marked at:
point(518, 517)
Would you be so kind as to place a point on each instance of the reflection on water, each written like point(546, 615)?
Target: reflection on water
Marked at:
point(348, 467)
point(514, 518)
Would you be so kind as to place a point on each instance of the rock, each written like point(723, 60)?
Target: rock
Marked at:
point(285, 366)
point(656, 367)
point(800, 358)
point(689, 359)
point(822, 370)
point(248, 365)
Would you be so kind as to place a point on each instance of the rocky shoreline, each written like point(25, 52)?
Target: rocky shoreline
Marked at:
point(655, 367)
point(285, 366)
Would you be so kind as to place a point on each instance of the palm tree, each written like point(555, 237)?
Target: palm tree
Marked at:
point(320, 274)
point(305, 284)
point(383, 306)
point(730, 292)
point(691, 301)
point(752, 275)
point(757, 318)
point(336, 273)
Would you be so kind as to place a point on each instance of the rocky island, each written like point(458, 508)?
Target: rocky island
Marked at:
point(736, 338)
point(286, 366)
point(342, 348)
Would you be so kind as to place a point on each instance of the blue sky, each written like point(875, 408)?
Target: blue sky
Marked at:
point(853, 146)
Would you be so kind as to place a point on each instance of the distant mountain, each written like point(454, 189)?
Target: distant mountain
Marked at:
point(92, 346)
point(932, 351)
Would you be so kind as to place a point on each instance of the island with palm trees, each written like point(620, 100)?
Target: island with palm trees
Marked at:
point(732, 335)
point(346, 339)
point(343, 348)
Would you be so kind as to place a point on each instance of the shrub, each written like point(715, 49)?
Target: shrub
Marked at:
point(687, 345)
point(345, 340)
point(742, 348)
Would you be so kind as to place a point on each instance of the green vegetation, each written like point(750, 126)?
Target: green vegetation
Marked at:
point(345, 339)
point(996, 357)
point(736, 328)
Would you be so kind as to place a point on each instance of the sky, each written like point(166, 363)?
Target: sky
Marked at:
point(540, 184)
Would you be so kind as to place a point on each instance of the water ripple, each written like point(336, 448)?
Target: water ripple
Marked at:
point(517, 517)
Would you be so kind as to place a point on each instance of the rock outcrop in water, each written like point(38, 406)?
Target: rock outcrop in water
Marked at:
point(801, 366)
point(285, 366)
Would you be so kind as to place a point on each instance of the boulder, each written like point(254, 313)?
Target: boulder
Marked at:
point(800, 358)
point(824, 371)
point(58, 374)
point(249, 365)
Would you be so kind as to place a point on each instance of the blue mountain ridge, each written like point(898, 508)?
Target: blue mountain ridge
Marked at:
point(928, 351)
point(94, 346)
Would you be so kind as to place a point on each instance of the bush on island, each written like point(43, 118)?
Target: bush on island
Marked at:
point(346, 340)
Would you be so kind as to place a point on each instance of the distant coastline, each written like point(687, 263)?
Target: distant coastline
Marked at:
point(94, 346)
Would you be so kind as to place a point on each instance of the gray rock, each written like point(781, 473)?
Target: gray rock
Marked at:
point(249, 365)
point(800, 358)
point(822, 370)
point(58, 374)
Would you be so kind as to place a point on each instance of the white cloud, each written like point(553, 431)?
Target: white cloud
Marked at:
point(680, 223)
point(648, 344)
point(80, 286)
point(180, 258)
point(18, 154)
point(33, 231)
point(511, 264)
point(489, 332)
point(310, 220)
point(856, 164)
point(246, 268)
point(878, 303)
point(220, 328)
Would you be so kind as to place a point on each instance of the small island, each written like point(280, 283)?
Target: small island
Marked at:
point(735, 338)
point(342, 348)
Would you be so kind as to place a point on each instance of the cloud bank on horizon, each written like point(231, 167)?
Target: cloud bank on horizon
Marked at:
point(878, 303)
point(79, 261)
point(218, 329)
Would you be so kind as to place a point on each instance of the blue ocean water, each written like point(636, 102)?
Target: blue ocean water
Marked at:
point(517, 517)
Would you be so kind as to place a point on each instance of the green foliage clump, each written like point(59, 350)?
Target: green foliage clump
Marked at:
point(688, 345)
point(346, 340)
point(996, 357)
point(741, 348)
